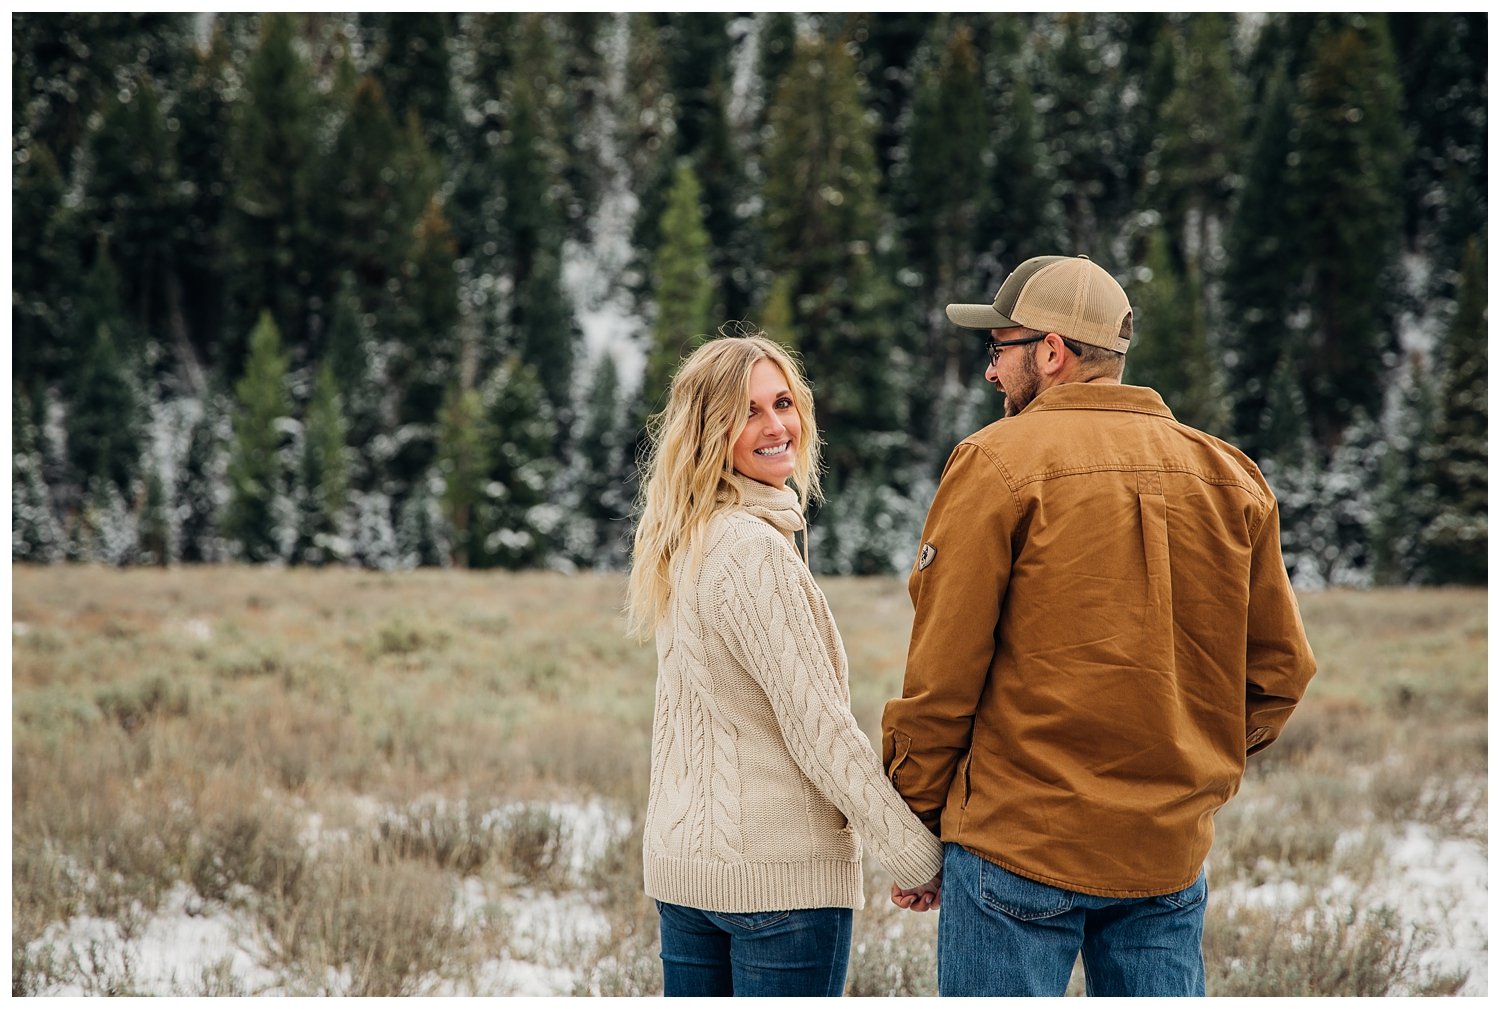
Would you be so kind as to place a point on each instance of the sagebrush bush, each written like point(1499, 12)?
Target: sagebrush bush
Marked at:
point(1318, 951)
point(448, 835)
point(385, 930)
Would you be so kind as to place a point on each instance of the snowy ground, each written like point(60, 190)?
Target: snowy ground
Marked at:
point(1436, 882)
point(1440, 884)
point(193, 947)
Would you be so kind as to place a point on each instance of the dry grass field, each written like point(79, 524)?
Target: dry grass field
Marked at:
point(250, 780)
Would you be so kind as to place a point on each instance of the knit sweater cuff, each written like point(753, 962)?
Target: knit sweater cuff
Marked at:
point(916, 864)
point(755, 886)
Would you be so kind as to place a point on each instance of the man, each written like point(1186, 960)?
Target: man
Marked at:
point(1104, 631)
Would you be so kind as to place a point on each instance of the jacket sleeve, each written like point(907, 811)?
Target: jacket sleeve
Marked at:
point(769, 626)
point(1278, 658)
point(958, 587)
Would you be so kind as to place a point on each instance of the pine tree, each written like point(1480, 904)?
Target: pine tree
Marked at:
point(355, 359)
point(134, 196)
point(1350, 490)
point(720, 169)
point(424, 356)
point(430, 286)
point(1024, 217)
point(1346, 183)
point(541, 324)
point(1443, 61)
point(824, 224)
point(380, 183)
point(1080, 107)
point(888, 46)
point(599, 492)
point(1148, 65)
point(776, 315)
point(1457, 542)
point(45, 271)
point(1198, 145)
point(943, 170)
point(462, 466)
point(157, 544)
point(424, 539)
point(205, 115)
point(256, 518)
point(683, 288)
point(197, 495)
point(273, 238)
point(415, 68)
point(696, 55)
point(943, 183)
point(64, 65)
point(1293, 468)
point(648, 130)
point(35, 534)
point(1170, 351)
point(1263, 269)
point(103, 424)
point(1406, 503)
point(778, 47)
point(324, 475)
point(515, 518)
point(588, 152)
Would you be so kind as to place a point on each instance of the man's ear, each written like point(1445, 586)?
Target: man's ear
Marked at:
point(1055, 358)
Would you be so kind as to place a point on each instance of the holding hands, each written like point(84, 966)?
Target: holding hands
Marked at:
point(923, 898)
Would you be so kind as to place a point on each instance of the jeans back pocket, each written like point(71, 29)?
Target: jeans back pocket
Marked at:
point(1189, 896)
point(1021, 898)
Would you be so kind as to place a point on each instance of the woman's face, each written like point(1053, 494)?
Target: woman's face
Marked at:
point(767, 449)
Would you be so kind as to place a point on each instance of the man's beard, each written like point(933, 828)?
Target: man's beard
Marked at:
point(1018, 397)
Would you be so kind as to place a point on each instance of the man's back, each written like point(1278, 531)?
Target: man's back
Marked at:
point(1119, 569)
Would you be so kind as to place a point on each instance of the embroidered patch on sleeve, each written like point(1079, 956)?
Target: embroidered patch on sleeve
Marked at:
point(928, 555)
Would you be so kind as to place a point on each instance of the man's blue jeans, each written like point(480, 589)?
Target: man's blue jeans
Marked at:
point(761, 953)
point(1003, 934)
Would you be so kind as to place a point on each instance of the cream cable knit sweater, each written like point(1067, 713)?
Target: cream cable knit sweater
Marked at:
point(758, 768)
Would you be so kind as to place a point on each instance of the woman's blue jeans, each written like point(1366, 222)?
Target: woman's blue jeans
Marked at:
point(761, 953)
point(1003, 934)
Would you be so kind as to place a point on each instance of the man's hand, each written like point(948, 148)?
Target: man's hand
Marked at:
point(923, 898)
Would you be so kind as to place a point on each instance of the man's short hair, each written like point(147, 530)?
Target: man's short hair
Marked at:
point(1101, 360)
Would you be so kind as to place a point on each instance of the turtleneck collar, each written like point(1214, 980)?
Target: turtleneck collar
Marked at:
point(778, 507)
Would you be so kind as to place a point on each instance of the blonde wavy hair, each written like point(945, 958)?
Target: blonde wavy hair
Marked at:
point(690, 456)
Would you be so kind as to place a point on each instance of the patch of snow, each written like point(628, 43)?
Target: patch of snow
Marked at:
point(1436, 883)
point(184, 942)
point(546, 932)
point(588, 828)
point(198, 630)
point(1272, 893)
point(19, 629)
point(1442, 883)
point(192, 946)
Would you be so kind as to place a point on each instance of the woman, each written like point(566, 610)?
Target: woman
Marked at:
point(760, 775)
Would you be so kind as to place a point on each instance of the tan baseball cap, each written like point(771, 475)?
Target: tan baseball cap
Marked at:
point(1067, 295)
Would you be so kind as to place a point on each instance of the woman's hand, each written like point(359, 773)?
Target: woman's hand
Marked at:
point(923, 898)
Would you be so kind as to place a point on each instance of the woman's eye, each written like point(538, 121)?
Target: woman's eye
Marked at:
point(784, 404)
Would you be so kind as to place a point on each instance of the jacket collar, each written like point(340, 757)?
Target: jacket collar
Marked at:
point(778, 507)
point(1100, 396)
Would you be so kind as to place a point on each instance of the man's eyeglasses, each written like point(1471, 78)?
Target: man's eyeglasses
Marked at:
point(993, 346)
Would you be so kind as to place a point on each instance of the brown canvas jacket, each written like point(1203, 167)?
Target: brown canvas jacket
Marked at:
point(1104, 630)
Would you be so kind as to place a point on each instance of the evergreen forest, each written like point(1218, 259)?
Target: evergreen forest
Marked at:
point(399, 290)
